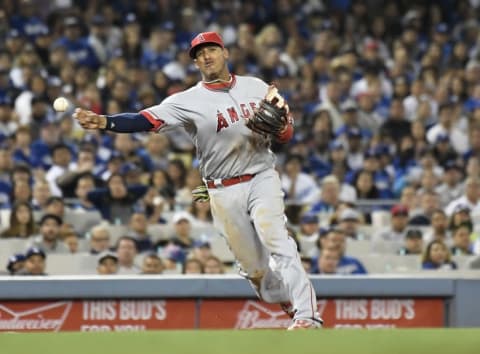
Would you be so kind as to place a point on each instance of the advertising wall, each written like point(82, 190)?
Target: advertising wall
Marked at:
point(154, 314)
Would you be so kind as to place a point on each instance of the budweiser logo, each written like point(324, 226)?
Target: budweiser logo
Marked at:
point(42, 318)
point(255, 315)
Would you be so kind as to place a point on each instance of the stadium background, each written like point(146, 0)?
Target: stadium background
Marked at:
point(386, 100)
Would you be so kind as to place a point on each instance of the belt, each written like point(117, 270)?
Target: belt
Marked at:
point(228, 181)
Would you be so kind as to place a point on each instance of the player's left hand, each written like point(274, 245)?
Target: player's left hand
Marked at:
point(272, 115)
point(200, 194)
point(276, 99)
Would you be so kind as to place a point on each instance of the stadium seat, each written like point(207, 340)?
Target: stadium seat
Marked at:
point(385, 263)
point(160, 231)
point(116, 231)
point(82, 222)
point(71, 264)
point(358, 247)
point(9, 247)
point(462, 261)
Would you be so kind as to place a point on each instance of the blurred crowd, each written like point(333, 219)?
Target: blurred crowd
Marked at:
point(385, 96)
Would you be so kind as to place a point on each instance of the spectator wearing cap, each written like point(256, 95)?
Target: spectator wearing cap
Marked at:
point(202, 249)
point(78, 49)
point(349, 110)
point(391, 239)
point(470, 197)
point(131, 49)
point(462, 244)
point(451, 187)
point(308, 234)
point(117, 201)
point(99, 237)
point(107, 263)
point(335, 238)
point(152, 264)
point(441, 37)
point(438, 228)
point(48, 239)
point(329, 199)
point(61, 164)
point(138, 230)
point(413, 243)
point(126, 252)
point(182, 224)
point(35, 262)
point(349, 222)
point(49, 136)
point(299, 187)
point(172, 255)
point(355, 148)
point(16, 263)
point(445, 126)
point(22, 223)
point(14, 42)
point(443, 151)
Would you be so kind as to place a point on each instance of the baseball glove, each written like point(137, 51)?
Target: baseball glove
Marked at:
point(271, 117)
point(200, 194)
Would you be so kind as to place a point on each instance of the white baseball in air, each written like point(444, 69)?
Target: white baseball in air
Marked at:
point(60, 104)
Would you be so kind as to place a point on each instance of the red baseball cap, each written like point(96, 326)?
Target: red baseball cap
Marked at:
point(204, 38)
point(399, 209)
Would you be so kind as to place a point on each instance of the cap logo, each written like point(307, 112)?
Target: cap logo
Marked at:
point(201, 38)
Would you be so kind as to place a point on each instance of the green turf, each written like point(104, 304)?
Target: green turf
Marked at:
point(413, 341)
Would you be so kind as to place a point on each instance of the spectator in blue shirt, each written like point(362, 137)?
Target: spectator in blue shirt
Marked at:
point(117, 201)
point(78, 49)
point(335, 238)
point(437, 256)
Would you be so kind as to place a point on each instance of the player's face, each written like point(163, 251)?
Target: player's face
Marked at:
point(211, 61)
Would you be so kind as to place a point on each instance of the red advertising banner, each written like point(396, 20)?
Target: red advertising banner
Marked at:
point(102, 315)
point(337, 313)
point(141, 315)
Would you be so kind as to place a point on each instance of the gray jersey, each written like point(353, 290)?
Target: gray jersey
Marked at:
point(215, 120)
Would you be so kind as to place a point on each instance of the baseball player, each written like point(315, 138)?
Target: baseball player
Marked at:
point(231, 120)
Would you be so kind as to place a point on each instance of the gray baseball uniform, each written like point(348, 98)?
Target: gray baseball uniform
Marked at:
point(250, 214)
